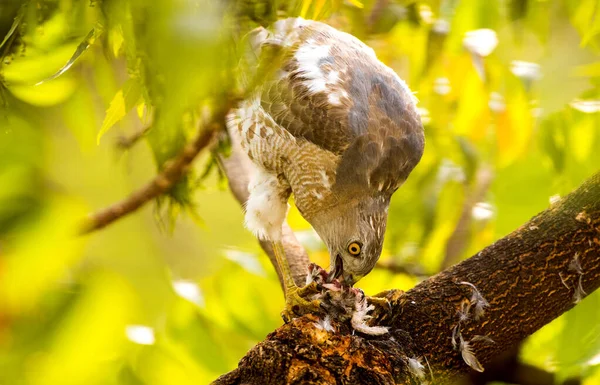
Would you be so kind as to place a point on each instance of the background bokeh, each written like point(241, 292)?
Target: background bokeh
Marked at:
point(509, 93)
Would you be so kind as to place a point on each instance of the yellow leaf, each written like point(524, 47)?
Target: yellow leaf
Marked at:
point(305, 7)
point(46, 94)
point(22, 282)
point(115, 38)
point(472, 117)
point(125, 99)
point(356, 3)
point(587, 70)
point(30, 69)
point(98, 317)
point(91, 37)
point(581, 137)
point(514, 128)
point(318, 8)
point(448, 210)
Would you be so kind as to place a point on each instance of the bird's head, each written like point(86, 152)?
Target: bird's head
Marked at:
point(353, 233)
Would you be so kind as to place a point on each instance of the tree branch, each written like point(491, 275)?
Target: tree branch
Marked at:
point(173, 170)
point(529, 277)
point(238, 168)
point(126, 142)
point(402, 268)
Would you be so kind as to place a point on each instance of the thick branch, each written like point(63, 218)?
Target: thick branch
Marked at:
point(238, 169)
point(172, 172)
point(529, 277)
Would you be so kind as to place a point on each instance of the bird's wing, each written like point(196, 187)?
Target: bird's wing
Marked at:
point(330, 89)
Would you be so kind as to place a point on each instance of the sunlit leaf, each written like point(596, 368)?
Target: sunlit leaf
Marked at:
point(582, 136)
point(116, 39)
point(356, 3)
point(449, 202)
point(29, 69)
point(514, 127)
point(22, 284)
point(125, 99)
point(591, 70)
point(81, 48)
point(472, 117)
point(587, 19)
point(305, 6)
point(99, 318)
point(45, 94)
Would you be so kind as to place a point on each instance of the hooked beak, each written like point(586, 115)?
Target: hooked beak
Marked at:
point(338, 268)
point(350, 279)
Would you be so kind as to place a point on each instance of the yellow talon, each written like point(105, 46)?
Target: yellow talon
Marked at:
point(295, 302)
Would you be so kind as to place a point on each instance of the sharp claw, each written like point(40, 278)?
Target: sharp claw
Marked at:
point(379, 301)
point(297, 305)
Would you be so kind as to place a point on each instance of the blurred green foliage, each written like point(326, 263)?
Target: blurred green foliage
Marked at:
point(509, 93)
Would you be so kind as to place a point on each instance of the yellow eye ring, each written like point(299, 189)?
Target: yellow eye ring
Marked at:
point(354, 248)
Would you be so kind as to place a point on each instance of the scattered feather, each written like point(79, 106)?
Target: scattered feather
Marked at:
point(463, 312)
point(458, 343)
point(360, 317)
point(575, 265)
point(563, 281)
point(416, 368)
point(468, 356)
point(579, 293)
point(478, 302)
point(325, 324)
point(480, 338)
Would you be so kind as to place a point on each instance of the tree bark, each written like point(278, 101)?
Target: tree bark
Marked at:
point(529, 278)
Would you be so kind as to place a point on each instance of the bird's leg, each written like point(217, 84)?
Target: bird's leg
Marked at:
point(266, 210)
point(295, 302)
point(284, 268)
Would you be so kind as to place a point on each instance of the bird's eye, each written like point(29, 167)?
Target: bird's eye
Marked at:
point(354, 248)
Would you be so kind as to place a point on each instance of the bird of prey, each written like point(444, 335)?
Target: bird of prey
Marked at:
point(331, 124)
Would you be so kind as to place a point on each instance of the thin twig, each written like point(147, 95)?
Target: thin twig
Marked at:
point(238, 168)
point(126, 142)
point(377, 12)
point(172, 172)
point(402, 268)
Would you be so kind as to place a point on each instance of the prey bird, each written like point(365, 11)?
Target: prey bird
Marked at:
point(331, 124)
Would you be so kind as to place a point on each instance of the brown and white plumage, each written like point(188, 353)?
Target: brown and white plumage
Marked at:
point(335, 127)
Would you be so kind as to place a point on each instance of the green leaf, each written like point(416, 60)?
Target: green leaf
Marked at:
point(116, 39)
point(15, 24)
point(448, 209)
point(582, 134)
point(125, 99)
point(91, 37)
point(47, 94)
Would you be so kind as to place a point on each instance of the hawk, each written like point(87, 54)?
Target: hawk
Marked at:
point(335, 127)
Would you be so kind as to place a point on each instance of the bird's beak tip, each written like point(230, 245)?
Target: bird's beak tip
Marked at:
point(337, 269)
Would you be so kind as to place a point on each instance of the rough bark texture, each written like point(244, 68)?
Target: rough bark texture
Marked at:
point(529, 277)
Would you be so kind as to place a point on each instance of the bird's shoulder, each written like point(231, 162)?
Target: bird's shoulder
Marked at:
point(329, 88)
